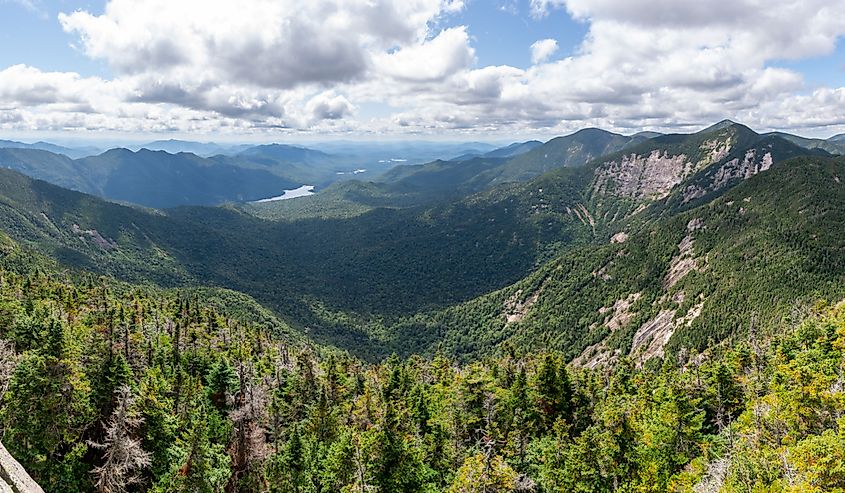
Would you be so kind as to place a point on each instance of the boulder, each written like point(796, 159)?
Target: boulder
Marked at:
point(13, 477)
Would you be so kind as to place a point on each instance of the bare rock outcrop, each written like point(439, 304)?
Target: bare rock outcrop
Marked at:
point(642, 177)
point(597, 356)
point(620, 312)
point(516, 308)
point(617, 316)
point(653, 335)
point(731, 170)
point(95, 236)
point(13, 477)
point(620, 237)
point(684, 262)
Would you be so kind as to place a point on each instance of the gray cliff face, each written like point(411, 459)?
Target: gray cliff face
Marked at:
point(13, 477)
point(653, 175)
point(648, 177)
point(754, 162)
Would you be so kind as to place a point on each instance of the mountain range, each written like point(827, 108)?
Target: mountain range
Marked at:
point(173, 173)
point(600, 312)
point(72, 152)
point(455, 235)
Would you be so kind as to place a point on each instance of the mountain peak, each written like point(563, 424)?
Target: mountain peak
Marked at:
point(721, 125)
point(118, 151)
point(592, 131)
point(740, 129)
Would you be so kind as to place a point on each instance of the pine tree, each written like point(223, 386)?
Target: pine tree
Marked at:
point(198, 465)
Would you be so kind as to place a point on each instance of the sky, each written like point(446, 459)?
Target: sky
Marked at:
point(422, 69)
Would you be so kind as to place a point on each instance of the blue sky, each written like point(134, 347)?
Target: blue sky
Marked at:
point(436, 68)
point(488, 20)
point(32, 35)
point(819, 71)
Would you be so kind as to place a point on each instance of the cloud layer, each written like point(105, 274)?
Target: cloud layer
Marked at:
point(316, 65)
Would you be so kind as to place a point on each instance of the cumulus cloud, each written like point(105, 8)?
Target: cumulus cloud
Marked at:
point(542, 50)
point(329, 106)
point(268, 43)
point(307, 65)
point(269, 59)
point(432, 60)
point(654, 62)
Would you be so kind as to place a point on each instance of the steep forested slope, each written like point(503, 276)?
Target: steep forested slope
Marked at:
point(355, 281)
point(107, 385)
point(654, 320)
point(682, 281)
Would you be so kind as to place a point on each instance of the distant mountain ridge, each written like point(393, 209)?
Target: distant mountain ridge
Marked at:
point(203, 149)
point(149, 178)
point(404, 183)
point(168, 175)
point(71, 152)
point(415, 185)
point(515, 163)
point(343, 274)
point(508, 151)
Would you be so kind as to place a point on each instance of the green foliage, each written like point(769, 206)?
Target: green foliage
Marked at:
point(46, 412)
point(487, 390)
point(224, 405)
point(458, 262)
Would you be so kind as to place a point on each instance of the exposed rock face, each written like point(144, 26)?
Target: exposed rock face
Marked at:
point(617, 317)
point(620, 312)
point(732, 170)
point(13, 477)
point(620, 237)
point(516, 308)
point(597, 356)
point(582, 214)
point(749, 167)
point(653, 335)
point(652, 176)
point(684, 262)
point(718, 150)
point(642, 177)
point(95, 236)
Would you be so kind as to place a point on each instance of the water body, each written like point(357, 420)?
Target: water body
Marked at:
point(303, 191)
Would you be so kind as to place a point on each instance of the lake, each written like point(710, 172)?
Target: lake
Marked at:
point(303, 191)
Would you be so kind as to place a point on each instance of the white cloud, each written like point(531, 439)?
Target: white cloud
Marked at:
point(431, 60)
point(269, 60)
point(306, 65)
point(268, 43)
point(542, 50)
point(328, 106)
point(540, 8)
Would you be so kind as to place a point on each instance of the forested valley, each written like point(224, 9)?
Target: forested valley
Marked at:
point(664, 317)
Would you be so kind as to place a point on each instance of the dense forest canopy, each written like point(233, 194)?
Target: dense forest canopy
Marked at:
point(665, 316)
point(108, 387)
